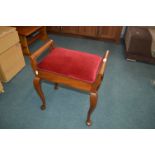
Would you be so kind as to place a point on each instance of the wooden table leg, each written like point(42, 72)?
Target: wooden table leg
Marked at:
point(93, 102)
point(43, 33)
point(56, 86)
point(37, 85)
point(24, 44)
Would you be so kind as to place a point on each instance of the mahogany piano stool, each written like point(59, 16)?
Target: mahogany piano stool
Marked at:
point(76, 69)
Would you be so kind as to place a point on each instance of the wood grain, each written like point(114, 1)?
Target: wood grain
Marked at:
point(111, 33)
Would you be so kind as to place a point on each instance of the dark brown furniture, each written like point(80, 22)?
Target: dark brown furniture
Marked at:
point(111, 33)
point(79, 70)
point(138, 42)
point(28, 34)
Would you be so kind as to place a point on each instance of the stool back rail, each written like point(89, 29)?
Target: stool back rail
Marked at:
point(91, 88)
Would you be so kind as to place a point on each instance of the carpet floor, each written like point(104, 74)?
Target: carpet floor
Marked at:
point(126, 96)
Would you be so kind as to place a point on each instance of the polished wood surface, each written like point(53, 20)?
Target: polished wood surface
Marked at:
point(54, 28)
point(58, 79)
point(27, 30)
point(27, 36)
point(70, 29)
point(37, 86)
point(93, 102)
point(111, 33)
point(88, 31)
point(106, 32)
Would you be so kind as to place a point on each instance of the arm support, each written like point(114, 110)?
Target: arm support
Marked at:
point(36, 54)
point(42, 49)
point(105, 58)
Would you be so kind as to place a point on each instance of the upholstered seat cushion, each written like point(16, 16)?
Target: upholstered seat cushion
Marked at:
point(74, 64)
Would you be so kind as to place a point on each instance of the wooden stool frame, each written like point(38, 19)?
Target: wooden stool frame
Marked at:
point(57, 79)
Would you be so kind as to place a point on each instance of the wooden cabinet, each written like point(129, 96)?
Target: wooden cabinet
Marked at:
point(110, 32)
point(53, 28)
point(88, 31)
point(99, 32)
point(70, 29)
point(29, 34)
point(80, 30)
point(106, 32)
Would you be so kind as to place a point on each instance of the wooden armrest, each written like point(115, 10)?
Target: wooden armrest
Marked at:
point(105, 58)
point(42, 49)
point(35, 55)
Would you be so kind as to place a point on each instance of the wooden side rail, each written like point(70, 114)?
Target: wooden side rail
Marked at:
point(47, 45)
point(36, 54)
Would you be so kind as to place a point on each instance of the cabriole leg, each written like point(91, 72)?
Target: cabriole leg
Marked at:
point(37, 85)
point(93, 102)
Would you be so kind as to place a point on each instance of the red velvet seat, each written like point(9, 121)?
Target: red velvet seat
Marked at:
point(74, 64)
